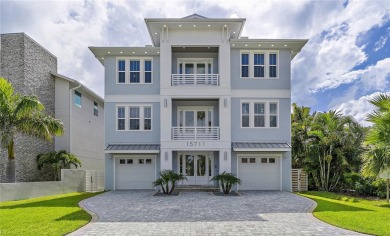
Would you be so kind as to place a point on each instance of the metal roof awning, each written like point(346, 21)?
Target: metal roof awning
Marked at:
point(260, 147)
point(133, 148)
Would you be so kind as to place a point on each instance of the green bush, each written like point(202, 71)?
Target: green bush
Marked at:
point(368, 186)
point(226, 181)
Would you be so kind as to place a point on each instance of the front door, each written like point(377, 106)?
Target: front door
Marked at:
point(197, 167)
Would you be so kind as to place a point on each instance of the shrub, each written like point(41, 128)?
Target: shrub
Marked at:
point(167, 181)
point(226, 180)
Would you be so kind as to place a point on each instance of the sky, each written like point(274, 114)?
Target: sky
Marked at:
point(345, 63)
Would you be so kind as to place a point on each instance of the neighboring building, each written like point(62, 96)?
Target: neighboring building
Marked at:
point(200, 101)
point(33, 71)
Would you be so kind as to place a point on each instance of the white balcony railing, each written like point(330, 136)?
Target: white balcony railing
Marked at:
point(195, 80)
point(195, 133)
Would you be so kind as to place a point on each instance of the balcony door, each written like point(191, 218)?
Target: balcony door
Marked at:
point(195, 117)
point(195, 66)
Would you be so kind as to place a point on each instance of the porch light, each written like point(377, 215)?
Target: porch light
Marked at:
point(165, 102)
point(166, 156)
point(225, 102)
point(225, 155)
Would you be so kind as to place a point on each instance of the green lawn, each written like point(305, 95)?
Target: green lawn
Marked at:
point(365, 216)
point(53, 215)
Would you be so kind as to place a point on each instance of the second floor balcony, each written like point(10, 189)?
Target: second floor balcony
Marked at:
point(195, 133)
point(195, 80)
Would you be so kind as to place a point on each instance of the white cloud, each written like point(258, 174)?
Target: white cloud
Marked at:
point(359, 108)
point(381, 43)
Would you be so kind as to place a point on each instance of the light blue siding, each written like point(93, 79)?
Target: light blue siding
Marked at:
point(283, 82)
point(112, 88)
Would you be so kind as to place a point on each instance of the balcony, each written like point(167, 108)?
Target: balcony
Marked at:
point(195, 80)
point(195, 133)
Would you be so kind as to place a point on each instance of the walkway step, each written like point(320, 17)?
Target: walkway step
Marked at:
point(196, 188)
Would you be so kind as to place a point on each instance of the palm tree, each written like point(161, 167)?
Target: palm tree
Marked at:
point(22, 114)
point(300, 124)
point(227, 180)
point(377, 156)
point(58, 160)
point(167, 181)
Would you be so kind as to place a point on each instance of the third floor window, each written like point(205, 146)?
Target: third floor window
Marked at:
point(259, 64)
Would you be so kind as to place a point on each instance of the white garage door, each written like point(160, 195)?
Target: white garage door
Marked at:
point(259, 172)
point(134, 172)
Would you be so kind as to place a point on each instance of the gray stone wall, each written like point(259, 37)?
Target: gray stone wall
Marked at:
point(27, 65)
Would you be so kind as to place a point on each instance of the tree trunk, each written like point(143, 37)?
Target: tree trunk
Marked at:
point(10, 165)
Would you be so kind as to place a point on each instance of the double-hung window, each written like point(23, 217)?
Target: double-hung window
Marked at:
point(148, 71)
point(121, 118)
point(77, 98)
point(134, 71)
point(121, 71)
point(259, 114)
point(259, 64)
point(139, 117)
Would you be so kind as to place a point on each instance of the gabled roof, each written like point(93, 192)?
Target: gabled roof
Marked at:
point(195, 16)
point(261, 147)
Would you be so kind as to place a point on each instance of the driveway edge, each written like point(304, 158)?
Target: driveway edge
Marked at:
point(94, 218)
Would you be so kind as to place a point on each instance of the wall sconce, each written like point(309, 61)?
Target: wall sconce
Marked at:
point(165, 102)
point(225, 102)
point(166, 156)
point(225, 156)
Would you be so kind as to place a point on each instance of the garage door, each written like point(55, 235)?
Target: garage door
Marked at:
point(259, 173)
point(134, 172)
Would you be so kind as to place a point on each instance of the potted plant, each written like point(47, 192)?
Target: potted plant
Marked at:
point(226, 181)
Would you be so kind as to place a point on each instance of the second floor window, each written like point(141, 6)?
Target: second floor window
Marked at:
point(139, 117)
point(77, 98)
point(135, 71)
point(259, 114)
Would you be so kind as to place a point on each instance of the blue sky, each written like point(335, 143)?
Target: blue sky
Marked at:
point(344, 64)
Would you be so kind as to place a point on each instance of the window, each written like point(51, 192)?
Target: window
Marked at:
point(271, 160)
point(122, 161)
point(95, 109)
point(134, 71)
point(121, 118)
point(148, 71)
point(244, 160)
point(129, 161)
point(263, 160)
point(147, 118)
point(77, 98)
point(259, 114)
point(273, 117)
point(245, 115)
point(141, 161)
point(259, 64)
point(148, 161)
point(272, 65)
point(244, 65)
point(252, 160)
point(134, 118)
point(121, 71)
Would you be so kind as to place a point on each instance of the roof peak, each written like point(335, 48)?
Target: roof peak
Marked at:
point(195, 16)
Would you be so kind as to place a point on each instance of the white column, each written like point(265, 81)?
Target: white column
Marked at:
point(225, 160)
point(225, 118)
point(166, 159)
point(165, 118)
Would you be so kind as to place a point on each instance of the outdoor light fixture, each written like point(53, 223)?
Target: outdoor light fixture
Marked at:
point(166, 156)
point(225, 155)
point(225, 102)
point(165, 102)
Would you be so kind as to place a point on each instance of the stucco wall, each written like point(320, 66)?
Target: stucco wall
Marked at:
point(27, 65)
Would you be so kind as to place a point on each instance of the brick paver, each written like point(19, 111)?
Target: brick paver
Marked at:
point(200, 213)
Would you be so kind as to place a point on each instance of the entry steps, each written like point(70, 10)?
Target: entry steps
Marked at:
point(196, 188)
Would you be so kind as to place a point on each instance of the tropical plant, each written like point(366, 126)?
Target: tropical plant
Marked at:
point(58, 160)
point(377, 155)
point(167, 181)
point(22, 114)
point(226, 180)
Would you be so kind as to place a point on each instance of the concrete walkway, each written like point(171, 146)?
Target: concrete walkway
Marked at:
point(200, 213)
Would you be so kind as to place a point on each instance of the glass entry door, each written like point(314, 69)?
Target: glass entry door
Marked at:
point(198, 168)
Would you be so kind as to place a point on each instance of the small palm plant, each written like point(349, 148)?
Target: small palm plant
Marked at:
point(167, 181)
point(58, 160)
point(226, 180)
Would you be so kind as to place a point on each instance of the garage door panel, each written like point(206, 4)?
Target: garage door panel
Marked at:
point(259, 176)
point(135, 174)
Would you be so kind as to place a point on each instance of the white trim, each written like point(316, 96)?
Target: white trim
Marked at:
point(266, 113)
point(127, 70)
point(262, 149)
point(132, 151)
point(266, 63)
point(139, 98)
point(259, 93)
point(114, 158)
point(141, 107)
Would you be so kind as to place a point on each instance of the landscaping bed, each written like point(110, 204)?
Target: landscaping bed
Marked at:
point(357, 214)
point(52, 215)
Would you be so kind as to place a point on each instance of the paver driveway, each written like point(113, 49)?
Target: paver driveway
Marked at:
point(200, 213)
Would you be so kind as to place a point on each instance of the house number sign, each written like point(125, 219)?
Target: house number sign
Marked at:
point(196, 144)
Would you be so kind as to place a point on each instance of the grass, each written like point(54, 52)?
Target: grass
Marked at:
point(53, 215)
point(361, 215)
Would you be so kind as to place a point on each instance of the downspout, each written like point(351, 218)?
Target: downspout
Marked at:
point(70, 113)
